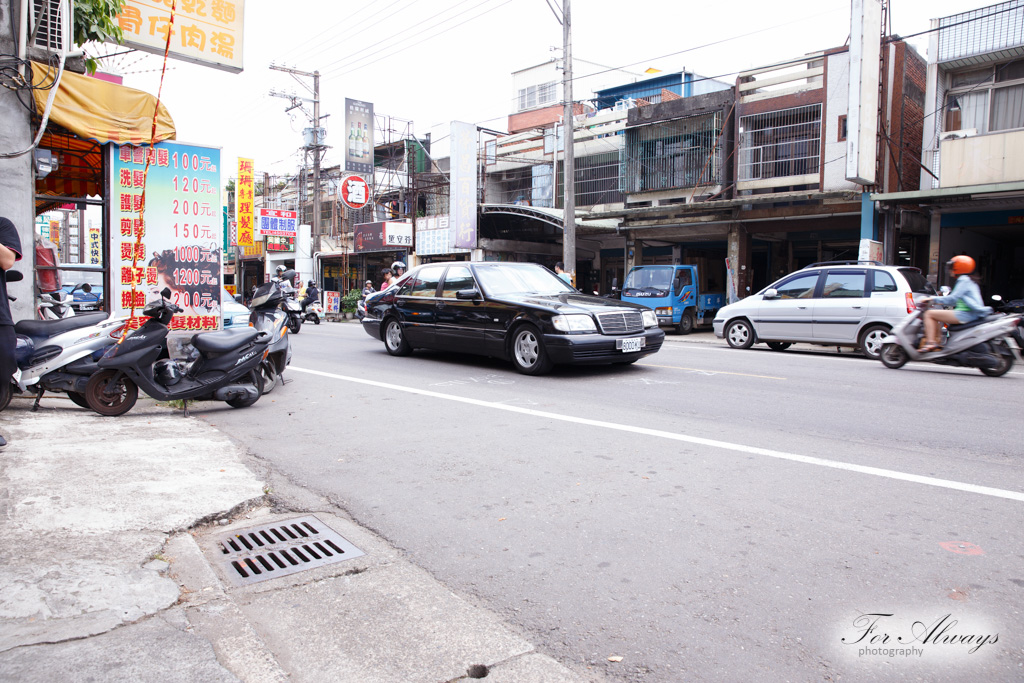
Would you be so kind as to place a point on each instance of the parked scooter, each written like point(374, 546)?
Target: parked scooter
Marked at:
point(293, 309)
point(314, 311)
point(267, 316)
point(56, 305)
point(984, 344)
point(58, 355)
point(224, 366)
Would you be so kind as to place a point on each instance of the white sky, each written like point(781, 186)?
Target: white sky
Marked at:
point(434, 61)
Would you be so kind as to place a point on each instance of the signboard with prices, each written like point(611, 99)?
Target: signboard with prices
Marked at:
point(176, 242)
point(332, 302)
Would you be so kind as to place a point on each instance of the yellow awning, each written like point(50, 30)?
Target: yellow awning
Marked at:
point(97, 110)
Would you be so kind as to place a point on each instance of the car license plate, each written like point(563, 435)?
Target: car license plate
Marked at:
point(627, 345)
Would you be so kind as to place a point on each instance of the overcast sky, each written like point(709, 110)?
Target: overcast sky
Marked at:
point(428, 62)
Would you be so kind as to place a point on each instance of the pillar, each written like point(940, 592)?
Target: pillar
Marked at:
point(739, 258)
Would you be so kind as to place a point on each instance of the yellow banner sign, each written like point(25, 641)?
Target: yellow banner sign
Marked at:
point(206, 32)
point(244, 193)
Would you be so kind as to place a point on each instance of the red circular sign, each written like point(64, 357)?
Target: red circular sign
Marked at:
point(355, 191)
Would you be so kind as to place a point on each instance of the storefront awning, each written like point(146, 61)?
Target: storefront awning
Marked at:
point(98, 110)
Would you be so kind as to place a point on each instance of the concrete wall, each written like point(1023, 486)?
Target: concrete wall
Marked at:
point(16, 175)
point(982, 159)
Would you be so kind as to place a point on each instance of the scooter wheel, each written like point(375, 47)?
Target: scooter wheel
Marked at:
point(78, 399)
point(118, 401)
point(1005, 360)
point(893, 356)
point(316, 320)
point(268, 369)
point(256, 378)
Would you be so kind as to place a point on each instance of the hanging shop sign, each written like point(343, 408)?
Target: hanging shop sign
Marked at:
point(462, 190)
point(434, 236)
point(383, 236)
point(355, 191)
point(176, 242)
point(277, 223)
point(208, 34)
point(245, 192)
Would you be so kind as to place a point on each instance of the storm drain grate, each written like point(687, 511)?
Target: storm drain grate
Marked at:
point(283, 548)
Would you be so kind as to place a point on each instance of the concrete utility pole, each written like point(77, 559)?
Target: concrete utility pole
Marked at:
point(316, 146)
point(568, 135)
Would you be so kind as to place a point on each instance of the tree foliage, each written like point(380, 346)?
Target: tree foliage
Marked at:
point(96, 20)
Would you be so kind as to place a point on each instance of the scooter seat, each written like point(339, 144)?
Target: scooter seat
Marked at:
point(49, 328)
point(222, 342)
point(973, 323)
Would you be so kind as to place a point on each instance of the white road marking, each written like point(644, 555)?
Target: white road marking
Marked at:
point(713, 443)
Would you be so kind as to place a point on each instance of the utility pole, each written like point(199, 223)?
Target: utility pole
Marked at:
point(315, 146)
point(568, 136)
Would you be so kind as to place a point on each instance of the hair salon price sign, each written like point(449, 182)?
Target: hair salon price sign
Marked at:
point(176, 242)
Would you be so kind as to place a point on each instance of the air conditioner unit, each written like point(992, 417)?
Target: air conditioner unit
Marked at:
point(50, 25)
point(958, 134)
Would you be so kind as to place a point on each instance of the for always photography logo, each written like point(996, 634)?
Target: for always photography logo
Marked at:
point(880, 634)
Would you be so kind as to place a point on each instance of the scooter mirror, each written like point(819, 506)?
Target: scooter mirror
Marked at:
point(13, 276)
point(87, 288)
point(288, 275)
point(166, 292)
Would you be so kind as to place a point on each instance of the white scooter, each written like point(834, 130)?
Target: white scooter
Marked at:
point(986, 344)
point(59, 355)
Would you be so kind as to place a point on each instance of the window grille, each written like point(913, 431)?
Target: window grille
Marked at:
point(780, 143)
point(674, 154)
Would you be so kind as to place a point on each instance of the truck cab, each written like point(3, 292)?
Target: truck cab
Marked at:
point(675, 294)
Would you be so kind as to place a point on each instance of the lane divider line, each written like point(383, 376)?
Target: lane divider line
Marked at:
point(700, 441)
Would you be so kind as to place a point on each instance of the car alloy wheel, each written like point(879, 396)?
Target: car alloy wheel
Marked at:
point(528, 353)
point(871, 341)
point(394, 338)
point(739, 334)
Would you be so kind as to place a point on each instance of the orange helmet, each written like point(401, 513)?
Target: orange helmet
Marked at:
point(960, 265)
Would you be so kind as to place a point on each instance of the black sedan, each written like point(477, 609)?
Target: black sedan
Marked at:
point(514, 311)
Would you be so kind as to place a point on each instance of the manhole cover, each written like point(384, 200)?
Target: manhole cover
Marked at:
point(287, 547)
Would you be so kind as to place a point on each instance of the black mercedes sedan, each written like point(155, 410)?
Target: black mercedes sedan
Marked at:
point(520, 312)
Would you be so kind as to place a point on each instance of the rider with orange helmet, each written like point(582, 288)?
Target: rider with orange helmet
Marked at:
point(965, 297)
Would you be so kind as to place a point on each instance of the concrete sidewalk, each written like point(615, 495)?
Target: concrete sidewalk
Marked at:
point(112, 568)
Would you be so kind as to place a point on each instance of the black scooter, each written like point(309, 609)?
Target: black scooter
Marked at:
point(224, 366)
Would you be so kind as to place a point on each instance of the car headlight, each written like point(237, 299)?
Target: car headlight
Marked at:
point(574, 323)
point(650, 319)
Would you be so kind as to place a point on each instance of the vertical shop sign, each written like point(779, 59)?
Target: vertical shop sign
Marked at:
point(244, 194)
point(176, 244)
point(359, 139)
point(332, 302)
point(95, 246)
point(463, 184)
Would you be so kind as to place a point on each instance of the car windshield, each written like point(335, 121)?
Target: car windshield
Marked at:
point(498, 280)
point(653, 277)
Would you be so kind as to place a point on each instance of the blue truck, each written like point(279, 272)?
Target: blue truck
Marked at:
point(674, 294)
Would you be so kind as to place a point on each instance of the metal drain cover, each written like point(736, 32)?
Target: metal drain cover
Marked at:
point(287, 547)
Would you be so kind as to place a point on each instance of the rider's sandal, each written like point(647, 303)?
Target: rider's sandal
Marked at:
point(930, 348)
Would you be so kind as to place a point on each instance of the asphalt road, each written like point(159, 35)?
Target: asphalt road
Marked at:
point(706, 514)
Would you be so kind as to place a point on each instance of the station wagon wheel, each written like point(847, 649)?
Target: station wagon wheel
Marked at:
point(778, 346)
point(394, 338)
point(740, 334)
point(871, 340)
point(528, 353)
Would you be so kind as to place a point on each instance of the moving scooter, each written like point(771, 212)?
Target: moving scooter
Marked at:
point(268, 316)
point(985, 344)
point(224, 366)
point(58, 355)
point(314, 311)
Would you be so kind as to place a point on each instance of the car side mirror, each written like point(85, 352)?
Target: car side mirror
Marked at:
point(676, 282)
point(467, 294)
point(771, 293)
point(238, 298)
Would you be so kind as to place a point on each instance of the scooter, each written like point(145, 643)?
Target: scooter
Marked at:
point(267, 316)
point(223, 366)
point(314, 311)
point(58, 355)
point(56, 305)
point(294, 311)
point(985, 344)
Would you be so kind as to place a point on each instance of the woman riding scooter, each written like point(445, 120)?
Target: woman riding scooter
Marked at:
point(966, 296)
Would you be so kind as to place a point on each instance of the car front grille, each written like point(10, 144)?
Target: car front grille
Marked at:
point(621, 322)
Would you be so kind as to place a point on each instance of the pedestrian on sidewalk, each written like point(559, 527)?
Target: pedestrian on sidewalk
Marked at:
point(10, 251)
point(560, 271)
